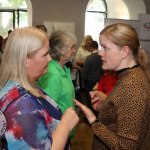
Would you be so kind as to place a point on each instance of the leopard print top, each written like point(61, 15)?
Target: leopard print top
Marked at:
point(124, 119)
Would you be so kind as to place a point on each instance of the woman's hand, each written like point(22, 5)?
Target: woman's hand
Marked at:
point(97, 98)
point(60, 136)
point(89, 114)
point(70, 118)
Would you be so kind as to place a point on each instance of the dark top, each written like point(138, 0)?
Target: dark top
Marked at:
point(92, 69)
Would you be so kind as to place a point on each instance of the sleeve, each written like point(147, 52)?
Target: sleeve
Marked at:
point(26, 125)
point(130, 110)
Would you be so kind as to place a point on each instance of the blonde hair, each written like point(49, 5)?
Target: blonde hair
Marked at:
point(122, 34)
point(85, 39)
point(21, 43)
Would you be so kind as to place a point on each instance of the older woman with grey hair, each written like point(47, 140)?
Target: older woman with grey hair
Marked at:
point(57, 82)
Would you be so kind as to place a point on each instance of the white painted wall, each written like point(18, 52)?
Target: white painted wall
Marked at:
point(125, 9)
point(135, 8)
point(117, 9)
point(50, 10)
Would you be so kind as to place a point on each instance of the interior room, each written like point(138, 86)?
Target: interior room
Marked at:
point(72, 15)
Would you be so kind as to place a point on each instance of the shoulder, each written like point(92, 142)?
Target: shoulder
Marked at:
point(9, 89)
point(94, 57)
point(80, 50)
point(134, 77)
point(52, 71)
point(134, 84)
point(11, 93)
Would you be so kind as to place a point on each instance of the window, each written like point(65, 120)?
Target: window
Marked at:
point(12, 14)
point(94, 18)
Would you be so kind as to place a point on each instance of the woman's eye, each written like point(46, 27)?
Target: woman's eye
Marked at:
point(105, 48)
point(46, 53)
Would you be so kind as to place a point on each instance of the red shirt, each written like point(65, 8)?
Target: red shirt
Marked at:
point(107, 82)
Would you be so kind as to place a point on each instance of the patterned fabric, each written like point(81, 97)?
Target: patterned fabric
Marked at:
point(30, 120)
point(125, 115)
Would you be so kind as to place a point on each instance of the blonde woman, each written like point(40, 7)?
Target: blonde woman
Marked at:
point(123, 122)
point(84, 50)
point(34, 120)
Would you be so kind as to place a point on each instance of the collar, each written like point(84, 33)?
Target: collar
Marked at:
point(124, 69)
point(63, 72)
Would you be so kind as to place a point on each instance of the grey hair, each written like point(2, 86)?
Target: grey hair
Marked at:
point(59, 42)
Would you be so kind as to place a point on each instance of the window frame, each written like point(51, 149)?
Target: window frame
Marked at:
point(15, 17)
point(100, 19)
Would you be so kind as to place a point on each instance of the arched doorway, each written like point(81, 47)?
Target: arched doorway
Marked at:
point(97, 10)
point(94, 19)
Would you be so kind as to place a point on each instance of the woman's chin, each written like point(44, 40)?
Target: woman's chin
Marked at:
point(44, 71)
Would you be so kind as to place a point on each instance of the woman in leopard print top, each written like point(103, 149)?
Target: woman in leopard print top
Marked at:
point(124, 117)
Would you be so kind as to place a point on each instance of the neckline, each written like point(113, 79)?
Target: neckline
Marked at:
point(124, 69)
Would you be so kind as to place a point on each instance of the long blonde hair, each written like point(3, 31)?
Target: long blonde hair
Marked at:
point(122, 34)
point(21, 43)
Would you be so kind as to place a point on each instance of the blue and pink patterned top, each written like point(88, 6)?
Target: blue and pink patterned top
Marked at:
point(30, 120)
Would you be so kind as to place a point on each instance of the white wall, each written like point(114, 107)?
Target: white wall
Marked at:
point(125, 9)
point(117, 9)
point(135, 8)
point(74, 11)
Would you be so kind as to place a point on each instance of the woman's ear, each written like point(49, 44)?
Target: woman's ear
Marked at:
point(125, 51)
point(62, 52)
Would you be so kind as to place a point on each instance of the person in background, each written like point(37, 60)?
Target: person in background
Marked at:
point(124, 116)
point(57, 82)
point(81, 55)
point(42, 27)
point(5, 40)
point(92, 71)
point(84, 50)
point(34, 120)
point(103, 88)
